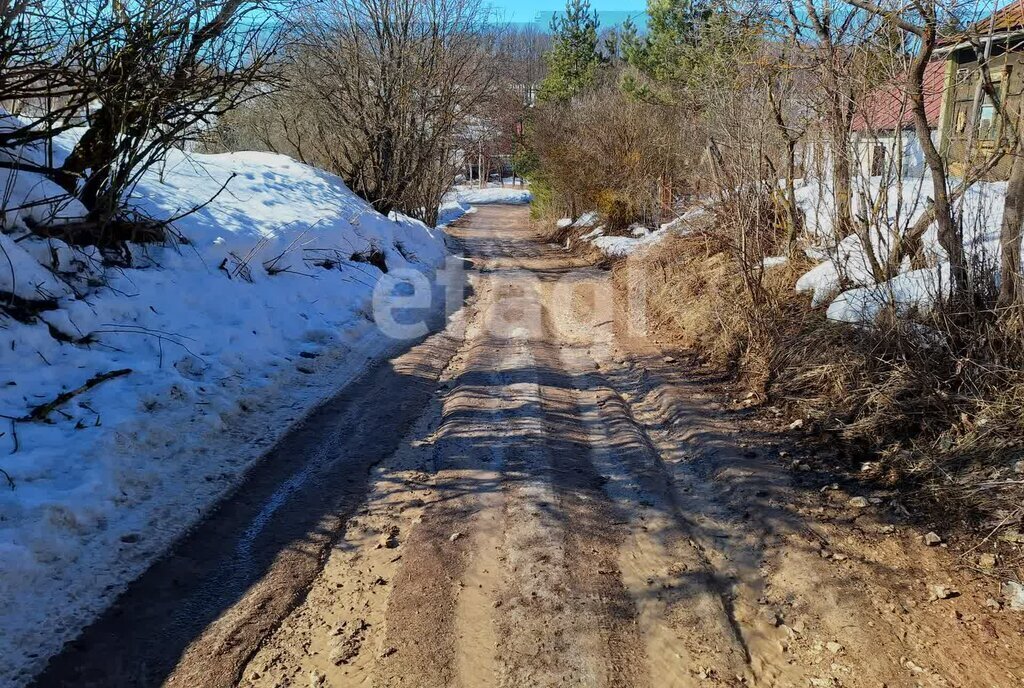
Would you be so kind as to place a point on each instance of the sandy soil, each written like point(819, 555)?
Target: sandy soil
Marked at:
point(538, 496)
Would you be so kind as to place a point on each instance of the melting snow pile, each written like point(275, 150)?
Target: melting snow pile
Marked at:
point(843, 279)
point(612, 245)
point(469, 194)
point(621, 246)
point(230, 335)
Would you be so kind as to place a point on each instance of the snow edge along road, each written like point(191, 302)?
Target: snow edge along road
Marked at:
point(210, 464)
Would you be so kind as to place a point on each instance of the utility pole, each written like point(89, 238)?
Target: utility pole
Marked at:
point(480, 164)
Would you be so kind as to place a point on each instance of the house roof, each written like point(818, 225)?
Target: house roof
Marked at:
point(888, 108)
point(1008, 18)
point(1007, 22)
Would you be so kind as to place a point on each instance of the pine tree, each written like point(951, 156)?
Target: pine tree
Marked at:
point(686, 43)
point(574, 59)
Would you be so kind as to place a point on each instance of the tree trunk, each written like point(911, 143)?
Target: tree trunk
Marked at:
point(842, 182)
point(1010, 283)
point(795, 219)
point(91, 160)
point(950, 236)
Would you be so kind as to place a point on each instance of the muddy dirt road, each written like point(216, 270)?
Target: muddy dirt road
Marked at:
point(537, 496)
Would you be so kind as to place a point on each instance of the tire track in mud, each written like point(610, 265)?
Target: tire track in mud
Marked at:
point(683, 600)
point(725, 550)
point(198, 615)
point(423, 621)
point(593, 529)
point(534, 585)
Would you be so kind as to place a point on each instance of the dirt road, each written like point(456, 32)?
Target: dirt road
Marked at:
point(536, 496)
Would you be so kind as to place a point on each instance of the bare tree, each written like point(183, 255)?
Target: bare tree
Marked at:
point(166, 70)
point(782, 92)
point(37, 51)
point(828, 37)
point(1011, 283)
point(386, 85)
point(923, 20)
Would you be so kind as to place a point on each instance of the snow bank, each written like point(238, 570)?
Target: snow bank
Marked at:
point(230, 337)
point(472, 195)
point(613, 246)
point(451, 210)
point(843, 277)
point(916, 290)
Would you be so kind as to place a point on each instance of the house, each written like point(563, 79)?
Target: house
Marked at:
point(974, 130)
point(962, 116)
point(884, 138)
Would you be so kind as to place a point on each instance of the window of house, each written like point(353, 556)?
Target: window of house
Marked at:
point(988, 116)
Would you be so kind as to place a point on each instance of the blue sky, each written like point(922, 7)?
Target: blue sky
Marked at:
point(525, 10)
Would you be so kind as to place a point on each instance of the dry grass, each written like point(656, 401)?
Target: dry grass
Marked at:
point(939, 413)
point(570, 237)
point(697, 293)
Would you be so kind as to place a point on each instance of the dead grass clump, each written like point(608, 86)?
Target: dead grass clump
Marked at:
point(372, 255)
point(552, 233)
point(944, 428)
point(698, 294)
point(570, 237)
point(699, 298)
point(934, 402)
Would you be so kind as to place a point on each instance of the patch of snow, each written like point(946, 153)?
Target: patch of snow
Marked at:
point(22, 275)
point(846, 264)
point(587, 219)
point(917, 290)
point(564, 222)
point(679, 223)
point(774, 261)
point(622, 246)
point(473, 195)
point(617, 246)
point(451, 210)
point(639, 230)
point(31, 197)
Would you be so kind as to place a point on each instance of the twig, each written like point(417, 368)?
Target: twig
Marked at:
point(42, 412)
point(203, 204)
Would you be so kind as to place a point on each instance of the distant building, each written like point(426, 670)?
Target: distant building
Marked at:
point(883, 127)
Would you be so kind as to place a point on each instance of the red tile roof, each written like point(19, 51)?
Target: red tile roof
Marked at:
point(888, 108)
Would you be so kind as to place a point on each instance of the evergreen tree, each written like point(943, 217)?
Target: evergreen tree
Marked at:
point(574, 59)
point(686, 43)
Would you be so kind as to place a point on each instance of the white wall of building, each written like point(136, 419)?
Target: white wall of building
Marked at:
point(881, 152)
